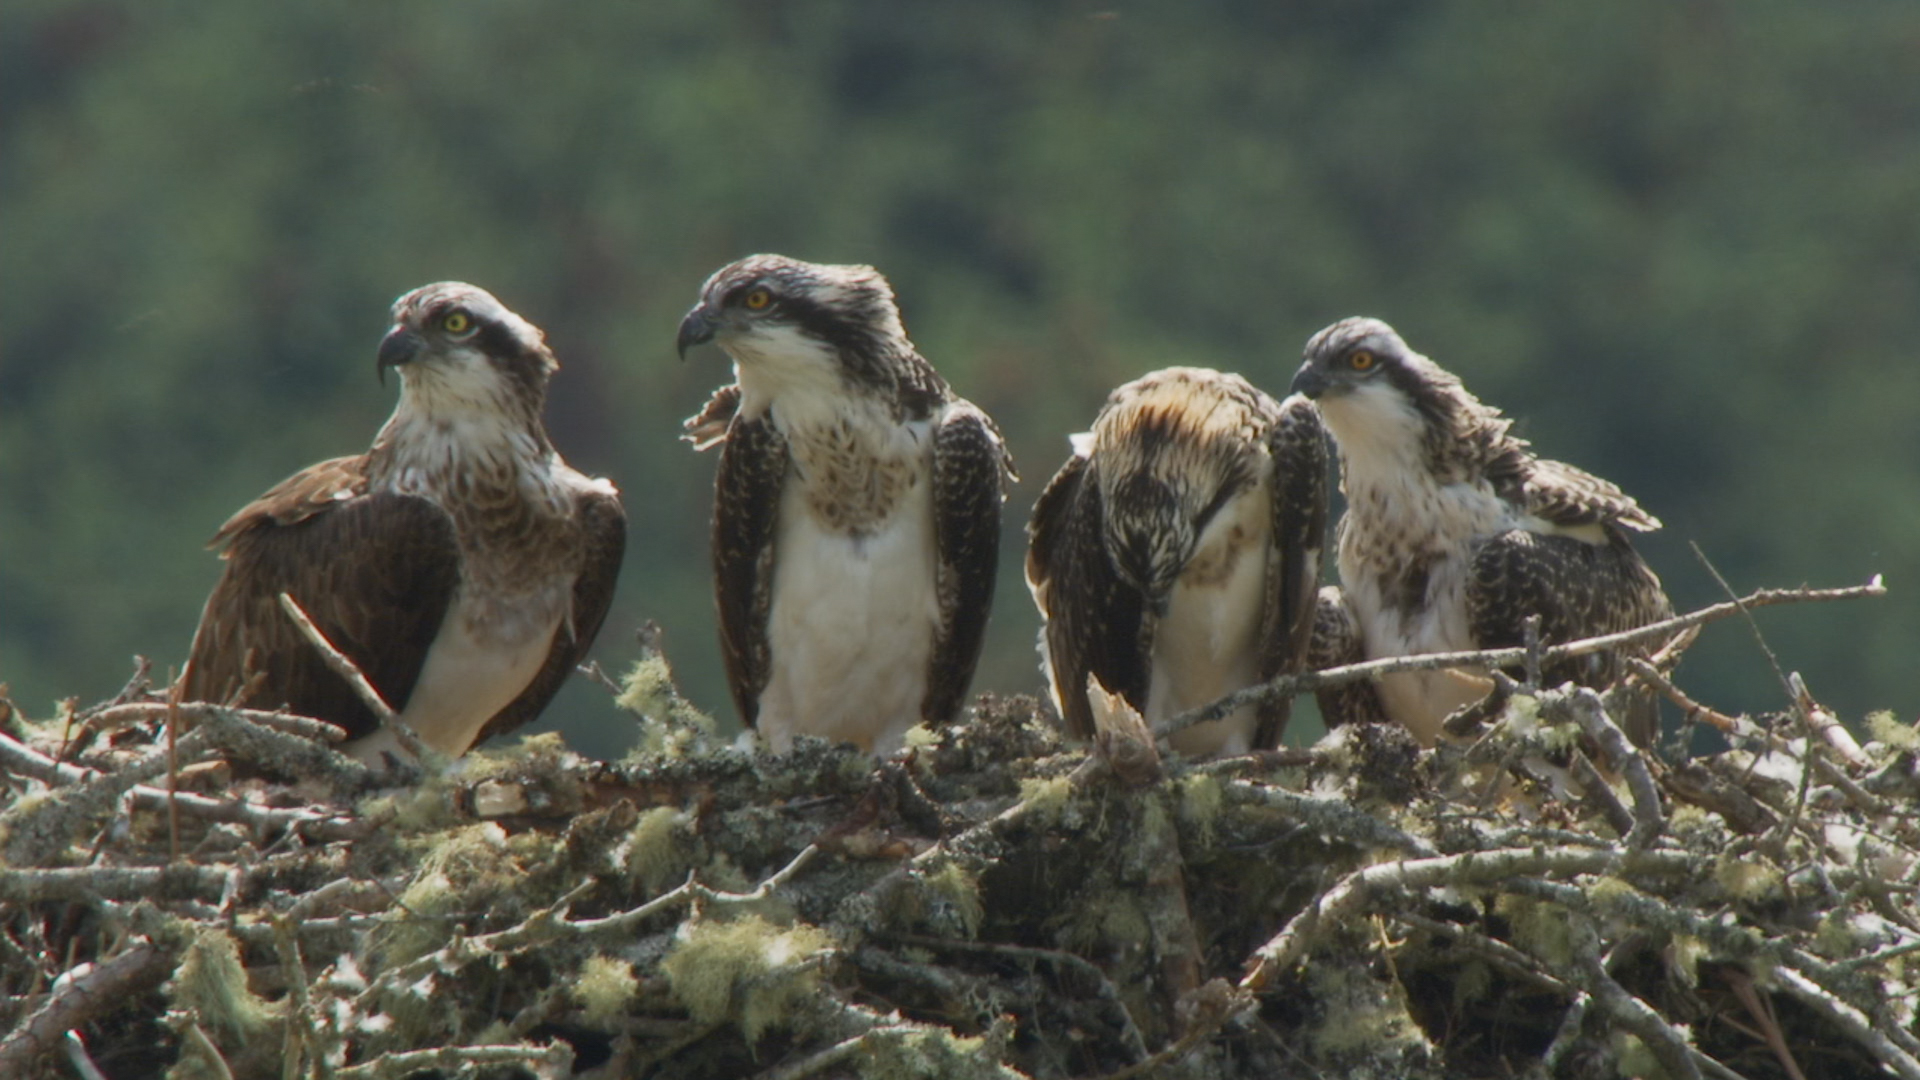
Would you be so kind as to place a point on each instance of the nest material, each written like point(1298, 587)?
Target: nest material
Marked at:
point(1537, 899)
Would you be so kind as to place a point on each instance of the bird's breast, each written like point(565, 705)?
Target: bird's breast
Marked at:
point(855, 477)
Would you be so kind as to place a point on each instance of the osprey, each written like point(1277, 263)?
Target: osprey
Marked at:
point(856, 511)
point(1175, 555)
point(459, 562)
point(1454, 532)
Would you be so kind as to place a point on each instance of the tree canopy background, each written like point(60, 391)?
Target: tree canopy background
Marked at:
point(1680, 241)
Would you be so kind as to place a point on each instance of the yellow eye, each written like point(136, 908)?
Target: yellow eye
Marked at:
point(758, 299)
point(1362, 360)
point(456, 322)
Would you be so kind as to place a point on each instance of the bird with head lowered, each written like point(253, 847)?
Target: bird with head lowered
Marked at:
point(1174, 557)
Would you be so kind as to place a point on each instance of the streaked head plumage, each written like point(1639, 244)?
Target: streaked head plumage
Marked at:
point(767, 304)
point(455, 334)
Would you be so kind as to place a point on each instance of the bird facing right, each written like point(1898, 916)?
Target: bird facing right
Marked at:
point(1455, 532)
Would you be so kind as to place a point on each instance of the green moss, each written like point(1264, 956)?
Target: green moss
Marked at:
point(1886, 728)
point(462, 868)
point(1361, 1014)
point(1201, 798)
point(961, 892)
point(1047, 798)
point(746, 969)
point(928, 1054)
point(1540, 928)
point(482, 764)
point(1104, 917)
point(670, 726)
point(1471, 983)
point(1632, 1058)
point(920, 736)
point(424, 807)
point(656, 856)
point(1745, 877)
point(211, 984)
point(1686, 952)
point(1606, 890)
point(1523, 714)
point(605, 988)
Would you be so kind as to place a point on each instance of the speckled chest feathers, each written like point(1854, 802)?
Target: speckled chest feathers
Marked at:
point(855, 465)
point(505, 491)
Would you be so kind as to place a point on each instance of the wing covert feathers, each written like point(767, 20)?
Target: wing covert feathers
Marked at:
point(746, 507)
point(1093, 619)
point(1297, 446)
point(603, 544)
point(376, 574)
point(970, 467)
point(1336, 641)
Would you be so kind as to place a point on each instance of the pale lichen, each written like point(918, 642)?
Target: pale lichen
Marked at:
point(212, 985)
point(670, 726)
point(746, 970)
point(1201, 799)
point(656, 854)
point(604, 989)
point(1047, 798)
point(1887, 729)
point(959, 892)
point(1745, 877)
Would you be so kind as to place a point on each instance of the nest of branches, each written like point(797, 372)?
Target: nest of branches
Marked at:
point(196, 891)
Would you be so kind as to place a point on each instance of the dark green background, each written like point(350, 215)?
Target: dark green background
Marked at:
point(1680, 240)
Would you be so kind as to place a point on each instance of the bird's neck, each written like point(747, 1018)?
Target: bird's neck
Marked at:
point(433, 443)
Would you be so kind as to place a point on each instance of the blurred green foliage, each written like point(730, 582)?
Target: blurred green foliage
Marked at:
point(1680, 239)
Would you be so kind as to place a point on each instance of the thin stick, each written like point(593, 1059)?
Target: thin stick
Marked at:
point(1850, 1020)
point(1287, 685)
point(291, 723)
point(105, 986)
point(346, 669)
point(1693, 709)
point(175, 688)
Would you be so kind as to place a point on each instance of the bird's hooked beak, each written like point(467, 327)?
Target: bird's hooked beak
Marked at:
point(400, 346)
point(697, 328)
point(1310, 381)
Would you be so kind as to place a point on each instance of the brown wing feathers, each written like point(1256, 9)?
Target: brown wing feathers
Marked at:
point(375, 572)
point(746, 504)
point(1094, 619)
point(1297, 445)
point(968, 464)
point(603, 525)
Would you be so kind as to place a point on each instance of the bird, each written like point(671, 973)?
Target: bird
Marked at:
point(459, 562)
point(856, 511)
point(1175, 556)
point(1455, 532)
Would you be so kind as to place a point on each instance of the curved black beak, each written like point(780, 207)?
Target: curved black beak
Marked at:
point(697, 328)
point(1310, 380)
point(400, 346)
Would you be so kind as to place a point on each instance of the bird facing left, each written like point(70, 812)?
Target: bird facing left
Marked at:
point(856, 517)
point(459, 562)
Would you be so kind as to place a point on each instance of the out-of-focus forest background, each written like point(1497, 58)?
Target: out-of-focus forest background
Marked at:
point(1681, 240)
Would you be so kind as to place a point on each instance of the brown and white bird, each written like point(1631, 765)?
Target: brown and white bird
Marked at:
point(1175, 555)
point(1454, 532)
point(459, 562)
point(856, 512)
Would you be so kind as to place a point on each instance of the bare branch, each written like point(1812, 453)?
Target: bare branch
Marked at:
point(1287, 685)
point(344, 667)
point(102, 987)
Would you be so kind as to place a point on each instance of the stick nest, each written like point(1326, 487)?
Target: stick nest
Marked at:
point(1538, 898)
